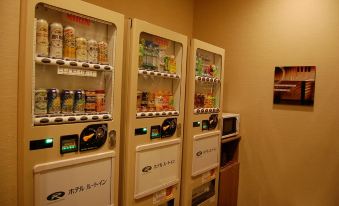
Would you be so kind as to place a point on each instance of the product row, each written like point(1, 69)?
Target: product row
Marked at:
point(51, 101)
point(155, 101)
point(204, 69)
point(152, 56)
point(60, 42)
point(204, 101)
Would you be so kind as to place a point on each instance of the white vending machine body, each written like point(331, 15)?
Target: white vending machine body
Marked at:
point(153, 115)
point(201, 150)
point(70, 76)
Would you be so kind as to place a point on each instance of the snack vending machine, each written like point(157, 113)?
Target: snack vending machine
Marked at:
point(202, 125)
point(69, 114)
point(153, 115)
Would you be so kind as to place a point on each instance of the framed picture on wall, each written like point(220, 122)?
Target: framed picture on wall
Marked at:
point(294, 85)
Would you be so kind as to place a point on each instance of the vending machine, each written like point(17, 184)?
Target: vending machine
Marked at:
point(153, 115)
point(202, 125)
point(69, 103)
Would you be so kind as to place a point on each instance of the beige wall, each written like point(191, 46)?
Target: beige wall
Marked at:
point(289, 155)
point(9, 38)
point(176, 15)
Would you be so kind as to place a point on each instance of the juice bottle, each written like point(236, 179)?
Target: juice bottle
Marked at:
point(206, 101)
point(139, 94)
point(142, 59)
point(170, 101)
point(196, 100)
point(198, 66)
point(172, 67)
point(161, 59)
point(155, 55)
point(151, 102)
point(213, 102)
point(144, 101)
point(209, 101)
point(165, 101)
point(158, 101)
point(213, 70)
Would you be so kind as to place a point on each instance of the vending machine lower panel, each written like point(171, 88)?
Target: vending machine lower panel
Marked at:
point(84, 181)
point(205, 152)
point(157, 167)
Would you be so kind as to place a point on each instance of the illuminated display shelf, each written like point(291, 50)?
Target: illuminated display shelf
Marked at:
point(157, 114)
point(72, 64)
point(66, 119)
point(158, 74)
point(207, 79)
point(206, 110)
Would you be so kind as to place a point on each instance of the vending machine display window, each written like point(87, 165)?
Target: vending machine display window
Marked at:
point(73, 70)
point(207, 84)
point(159, 76)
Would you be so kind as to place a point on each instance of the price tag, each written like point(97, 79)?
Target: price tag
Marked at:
point(76, 72)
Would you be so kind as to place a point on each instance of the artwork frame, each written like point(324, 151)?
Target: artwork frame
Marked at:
point(294, 85)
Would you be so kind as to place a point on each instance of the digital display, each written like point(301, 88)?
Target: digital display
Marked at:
point(155, 132)
point(69, 143)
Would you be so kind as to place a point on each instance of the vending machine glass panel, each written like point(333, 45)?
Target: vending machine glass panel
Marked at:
point(73, 71)
point(159, 76)
point(207, 84)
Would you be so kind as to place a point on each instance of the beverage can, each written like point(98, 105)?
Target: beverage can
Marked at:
point(90, 101)
point(67, 98)
point(53, 101)
point(92, 51)
point(69, 43)
point(42, 38)
point(81, 49)
point(102, 52)
point(100, 100)
point(40, 101)
point(79, 101)
point(55, 38)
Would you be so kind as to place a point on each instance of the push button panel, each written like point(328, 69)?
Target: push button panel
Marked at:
point(93, 137)
point(209, 124)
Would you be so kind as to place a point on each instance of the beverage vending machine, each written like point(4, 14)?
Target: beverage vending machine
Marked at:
point(202, 125)
point(69, 103)
point(153, 115)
